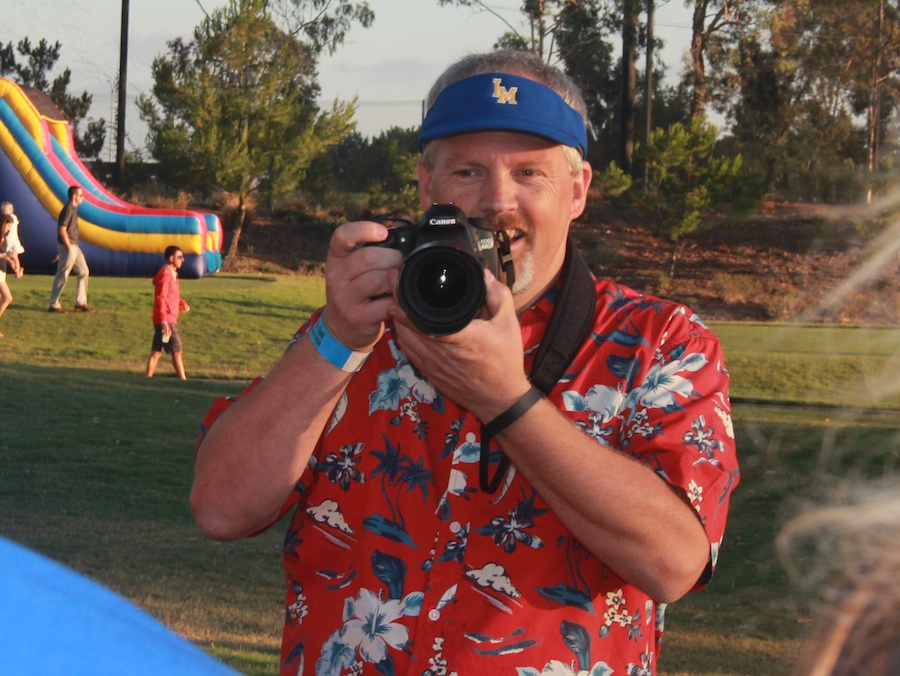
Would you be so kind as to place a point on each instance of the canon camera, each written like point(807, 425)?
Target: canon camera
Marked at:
point(441, 285)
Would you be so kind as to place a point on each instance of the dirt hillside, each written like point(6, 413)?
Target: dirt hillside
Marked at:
point(787, 263)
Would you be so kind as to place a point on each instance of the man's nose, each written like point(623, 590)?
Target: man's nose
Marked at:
point(498, 194)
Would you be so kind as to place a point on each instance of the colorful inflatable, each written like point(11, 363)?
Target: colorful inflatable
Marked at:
point(37, 165)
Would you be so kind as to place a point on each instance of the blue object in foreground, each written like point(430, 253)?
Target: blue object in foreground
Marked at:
point(55, 621)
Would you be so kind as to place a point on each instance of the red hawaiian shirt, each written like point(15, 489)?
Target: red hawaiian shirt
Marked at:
point(397, 563)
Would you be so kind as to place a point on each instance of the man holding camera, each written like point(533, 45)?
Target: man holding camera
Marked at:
point(457, 510)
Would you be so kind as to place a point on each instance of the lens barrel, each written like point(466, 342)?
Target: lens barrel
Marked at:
point(441, 287)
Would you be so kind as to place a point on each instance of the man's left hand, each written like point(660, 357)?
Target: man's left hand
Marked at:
point(482, 366)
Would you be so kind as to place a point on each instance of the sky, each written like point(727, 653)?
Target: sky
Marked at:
point(389, 66)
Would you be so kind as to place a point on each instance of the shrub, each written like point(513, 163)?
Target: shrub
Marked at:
point(686, 179)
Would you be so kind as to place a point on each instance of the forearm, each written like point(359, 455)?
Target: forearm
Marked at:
point(618, 508)
point(251, 458)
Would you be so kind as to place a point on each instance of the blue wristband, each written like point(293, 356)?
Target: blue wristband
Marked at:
point(334, 351)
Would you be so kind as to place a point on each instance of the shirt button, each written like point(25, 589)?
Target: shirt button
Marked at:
point(434, 614)
point(455, 527)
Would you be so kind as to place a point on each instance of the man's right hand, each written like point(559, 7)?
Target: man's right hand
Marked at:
point(359, 284)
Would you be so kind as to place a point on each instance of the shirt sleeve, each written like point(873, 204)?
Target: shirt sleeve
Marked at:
point(678, 421)
point(218, 408)
point(222, 404)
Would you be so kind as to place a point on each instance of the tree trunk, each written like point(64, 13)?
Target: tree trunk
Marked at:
point(648, 88)
point(874, 108)
point(675, 247)
point(698, 45)
point(629, 48)
point(239, 219)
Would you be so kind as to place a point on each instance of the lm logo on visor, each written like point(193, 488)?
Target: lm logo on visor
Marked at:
point(504, 95)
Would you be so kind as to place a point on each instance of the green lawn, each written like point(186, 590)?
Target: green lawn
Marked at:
point(96, 462)
point(848, 367)
point(237, 327)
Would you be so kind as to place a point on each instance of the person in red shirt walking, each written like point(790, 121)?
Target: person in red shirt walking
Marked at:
point(167, 303)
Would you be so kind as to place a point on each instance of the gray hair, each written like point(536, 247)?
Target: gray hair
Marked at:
point(514, 62)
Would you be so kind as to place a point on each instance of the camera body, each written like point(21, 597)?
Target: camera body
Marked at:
point(441, 284)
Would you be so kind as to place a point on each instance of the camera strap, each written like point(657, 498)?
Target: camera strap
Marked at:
point(569, 326)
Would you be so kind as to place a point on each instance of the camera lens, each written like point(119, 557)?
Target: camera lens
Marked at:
point(441, 288)
point(441, 284)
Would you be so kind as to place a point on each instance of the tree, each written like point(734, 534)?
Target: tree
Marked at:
point(369, 176)
point(547, 20)
point(31, 69)
point(764, 113)
point(574, 34)
point(322, 23)
point(380, 164)
point(708, 18)
point(796, 78)
point(686, 177)
point(856, 47)
point(396, 188)
point(582, 32)
point(538, 14)
point(578, 33)
point(235, 108)
point(648, 73)
point(629, 82)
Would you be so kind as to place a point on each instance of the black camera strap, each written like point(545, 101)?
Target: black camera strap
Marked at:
point(569, 326)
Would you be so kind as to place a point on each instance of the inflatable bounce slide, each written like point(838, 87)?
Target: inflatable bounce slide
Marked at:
point(37, 165)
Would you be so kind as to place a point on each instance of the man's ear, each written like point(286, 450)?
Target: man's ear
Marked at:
point(580, 189)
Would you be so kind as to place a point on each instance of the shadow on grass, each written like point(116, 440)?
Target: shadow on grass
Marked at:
point(96, 473)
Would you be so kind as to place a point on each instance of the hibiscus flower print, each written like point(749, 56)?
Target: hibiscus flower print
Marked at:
point(341, 469)
point(512, 530)
point(704, 438)
point(664, 385)
point(373, 627)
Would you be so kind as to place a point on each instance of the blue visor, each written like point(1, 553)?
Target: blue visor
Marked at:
point(503, 102)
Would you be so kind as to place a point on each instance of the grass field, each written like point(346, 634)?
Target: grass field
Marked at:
point(96, 462)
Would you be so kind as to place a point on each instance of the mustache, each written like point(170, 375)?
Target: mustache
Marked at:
point(507, 222)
